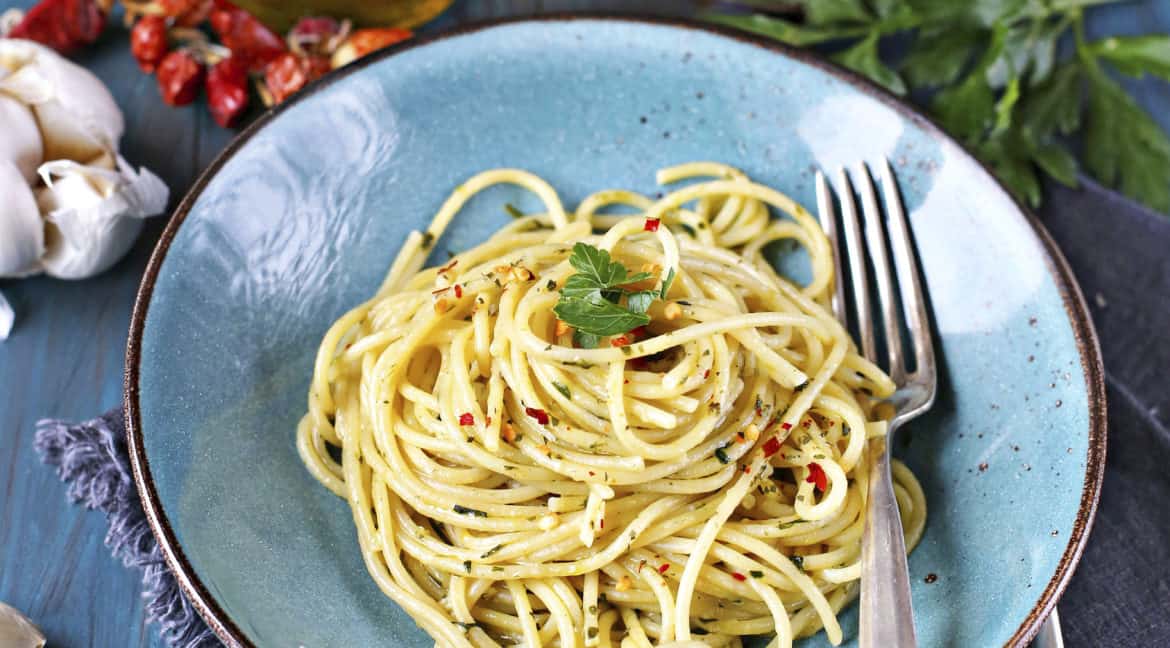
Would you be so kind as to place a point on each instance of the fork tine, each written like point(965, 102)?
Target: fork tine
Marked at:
point(857, 270)
point(875, 231)
point(906, 262)
point(829, 223)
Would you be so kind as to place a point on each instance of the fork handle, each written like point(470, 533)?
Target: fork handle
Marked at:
point(887, 615)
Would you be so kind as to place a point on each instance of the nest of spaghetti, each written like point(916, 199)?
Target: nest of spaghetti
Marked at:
point(700, 477)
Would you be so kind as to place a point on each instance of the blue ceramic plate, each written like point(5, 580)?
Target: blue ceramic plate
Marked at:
point(298, 220)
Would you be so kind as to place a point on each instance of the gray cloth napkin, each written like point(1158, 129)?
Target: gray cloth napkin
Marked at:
point(1120, 253)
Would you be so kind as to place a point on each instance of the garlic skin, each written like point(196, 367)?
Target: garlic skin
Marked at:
point(21, 142)
point(22, 232)
point(16, 631)
point(77, 115)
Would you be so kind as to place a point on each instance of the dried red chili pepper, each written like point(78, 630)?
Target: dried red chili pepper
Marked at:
point(817, 476)
point(148, 42)
point(227, 92)
point(738, 576)
point(466, 418)
point(364, 41)
point(314, 35)
point(285, 75)
point(63, 25)
point(179, 78)
point(651, 224)
point(248, 39)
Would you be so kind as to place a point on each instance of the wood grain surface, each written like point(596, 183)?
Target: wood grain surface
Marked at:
point(65, 356)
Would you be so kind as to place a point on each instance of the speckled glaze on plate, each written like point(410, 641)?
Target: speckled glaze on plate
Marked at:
point(298, 220)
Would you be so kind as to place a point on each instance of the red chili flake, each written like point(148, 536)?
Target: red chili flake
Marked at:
point(540, 415)
point(458, 291)
point(771, 446)
point(626, 381)
point(466, 418)
point(663, 568)
point(786, 426)
point(603, 523)
point(816, 475)
point(621, 341)
point(639, 331)
point(706, 374)
point(806, 423)
point(738, 576)
point(488, 421)
point(747, 469)
point(652, 224)
point(591, 473)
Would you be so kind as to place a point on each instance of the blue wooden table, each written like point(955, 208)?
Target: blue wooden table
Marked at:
point(65, 356)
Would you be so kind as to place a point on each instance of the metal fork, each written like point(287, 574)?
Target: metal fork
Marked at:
point(887, 616)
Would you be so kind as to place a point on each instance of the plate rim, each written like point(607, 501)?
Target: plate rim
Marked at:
point(1075, 306)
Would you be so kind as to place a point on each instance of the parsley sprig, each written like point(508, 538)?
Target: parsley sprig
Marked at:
point(591, 299)
point(990, 72)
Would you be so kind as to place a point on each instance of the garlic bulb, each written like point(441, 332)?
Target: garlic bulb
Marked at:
point(70, 206)
point(78, 118)
point(21, 142)
point(16, 631)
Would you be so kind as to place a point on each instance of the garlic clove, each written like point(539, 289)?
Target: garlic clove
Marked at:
point(21, 143)
point(22, 233)
point(78, 117)
point(93, 214)
point(16, 631)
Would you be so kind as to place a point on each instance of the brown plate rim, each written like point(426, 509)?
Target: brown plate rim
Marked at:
point(1074, 302)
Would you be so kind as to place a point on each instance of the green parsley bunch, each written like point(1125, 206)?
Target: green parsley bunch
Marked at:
point(996, 82)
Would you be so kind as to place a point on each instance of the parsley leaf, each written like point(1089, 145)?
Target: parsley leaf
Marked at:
point(938, 56)
point(1136, 55)
point(586, 340)
point(591, 299)
point(787, 32)
point(827, 12)
point(863, 58)
point(1055, 105)
point(594, 264)
point(639, 302)
point(1128, 147)
point(666, 283)
point(604, 318)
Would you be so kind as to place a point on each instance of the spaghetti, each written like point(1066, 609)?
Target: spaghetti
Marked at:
point(689, 482)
